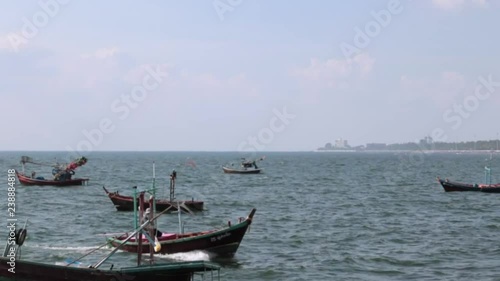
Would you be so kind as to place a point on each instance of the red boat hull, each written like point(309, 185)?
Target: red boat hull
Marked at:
point(223, 242)
point(126, 203)
point(25, 180)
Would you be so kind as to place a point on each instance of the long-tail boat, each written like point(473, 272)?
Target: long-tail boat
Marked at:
point(126, 203)
point(220, 242)
point(62, 173)
point(12, 267)
point(25, 180)
point(246, 167)
point(459, 186)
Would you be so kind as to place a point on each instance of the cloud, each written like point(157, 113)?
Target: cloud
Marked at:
point(198, 85)
point(136, 74)
point(101, 53)
point(441, 90)
point(364, 62)
point(5, 43)
point(333, 73)
point(458, 4)
point(481, 3)
point(100, 73)
point(210, 86)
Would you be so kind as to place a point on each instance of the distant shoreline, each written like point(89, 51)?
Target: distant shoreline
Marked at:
point(408, 151)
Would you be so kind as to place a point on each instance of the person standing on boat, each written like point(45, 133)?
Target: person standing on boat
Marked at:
point(152, 225)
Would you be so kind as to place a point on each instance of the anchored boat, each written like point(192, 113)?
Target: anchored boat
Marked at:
point(459, 186)
point(62, 173)
point(246, 167)
point(126, 203)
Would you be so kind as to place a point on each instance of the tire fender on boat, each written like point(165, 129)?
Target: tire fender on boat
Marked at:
point(20, 236)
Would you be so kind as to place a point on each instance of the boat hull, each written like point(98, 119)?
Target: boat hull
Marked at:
point(126, 203)
point(491, 189)
point(450, 186)
point(24, 180)
point(238, 171)
point(34, 271)
point(221, 243)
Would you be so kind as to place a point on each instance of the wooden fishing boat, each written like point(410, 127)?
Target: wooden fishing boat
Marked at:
point(246, 167)
point(228, 170)
point(126, 203)
point(36, 271)
point(62, 173)
point(220, 242)
point(13, 268)
point(458, 186)
point(26, 180)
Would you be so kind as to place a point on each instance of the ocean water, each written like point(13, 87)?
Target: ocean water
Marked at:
point(320, 216)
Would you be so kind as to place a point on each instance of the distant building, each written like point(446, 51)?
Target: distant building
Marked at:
point(340, 144)
point(376, 146)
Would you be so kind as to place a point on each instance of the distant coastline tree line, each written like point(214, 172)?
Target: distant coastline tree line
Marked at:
point(424, 144)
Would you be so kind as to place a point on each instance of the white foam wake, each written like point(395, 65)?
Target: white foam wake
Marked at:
point(65, 248)
point(188, 256)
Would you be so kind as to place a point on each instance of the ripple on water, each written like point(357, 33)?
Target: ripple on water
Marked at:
point(320, 216)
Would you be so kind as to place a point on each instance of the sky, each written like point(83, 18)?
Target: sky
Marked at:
point(239, 75)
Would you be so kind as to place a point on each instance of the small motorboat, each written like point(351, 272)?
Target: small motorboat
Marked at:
point(246, 167)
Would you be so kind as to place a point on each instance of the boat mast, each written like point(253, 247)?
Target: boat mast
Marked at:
point(152, 233)
point(487, 175)
point(139, 234)
point(135, 207)
point(179, 212)
point(173, 176)
point(153, 206)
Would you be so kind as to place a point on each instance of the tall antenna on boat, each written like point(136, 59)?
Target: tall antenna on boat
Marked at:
point(173, 176)
point(154, 189)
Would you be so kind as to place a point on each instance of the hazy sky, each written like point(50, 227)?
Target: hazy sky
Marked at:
point(246, 75)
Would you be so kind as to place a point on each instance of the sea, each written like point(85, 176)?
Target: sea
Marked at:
point(320, 216)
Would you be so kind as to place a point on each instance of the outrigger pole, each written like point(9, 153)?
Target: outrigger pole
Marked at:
point(128, 238)
point(119, 246)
